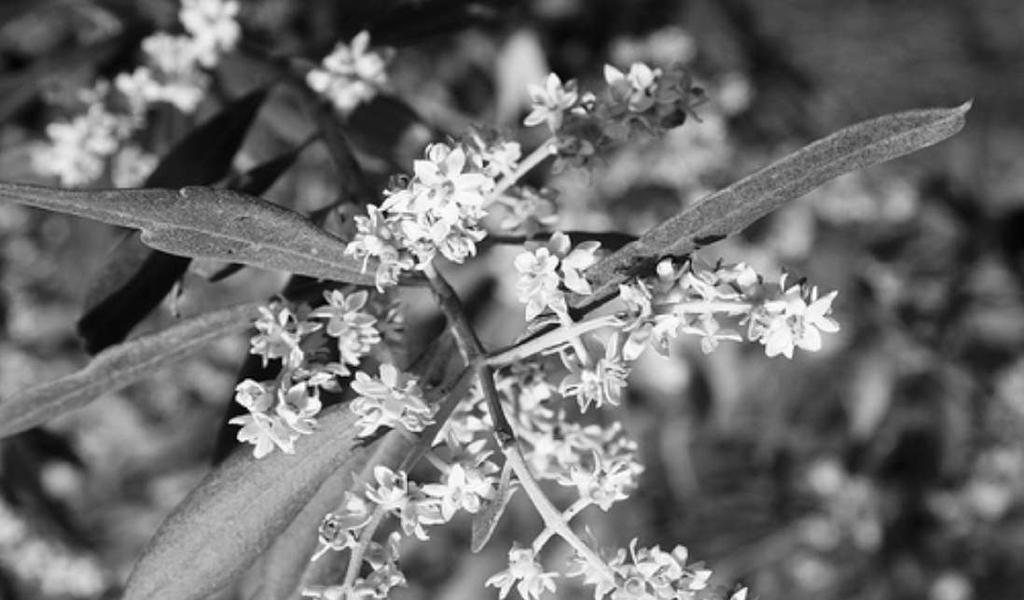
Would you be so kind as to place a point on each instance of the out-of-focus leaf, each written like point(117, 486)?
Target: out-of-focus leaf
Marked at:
point(19, 88)
point(119, 366)
point(487, 519)
point(730, 210)
point(208, 223)
point(382, 125)
point(412, 22)
point(352, 180)
point(205, 155)
point(237, 511)
point(136, 279)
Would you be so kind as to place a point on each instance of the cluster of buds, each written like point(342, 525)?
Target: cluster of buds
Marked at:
point(351, 74)
point(79, 149)
point(643, 101)
point(284, 409)
point(435, 211)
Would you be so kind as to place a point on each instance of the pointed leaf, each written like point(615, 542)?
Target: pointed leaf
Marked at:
point(734, 208)
point(136, 278)
point(487, 519)
point(205, 155)
point(208, 223)
point(256, 181)
point(120, 366)
point(237, 511)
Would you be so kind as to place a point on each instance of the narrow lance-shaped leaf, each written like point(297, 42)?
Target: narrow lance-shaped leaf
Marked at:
point(208, 223)
point(256, 181)
point(237, 511)
point(734, 208)
point(487, 519)
point(136, 278)
point(120, 366)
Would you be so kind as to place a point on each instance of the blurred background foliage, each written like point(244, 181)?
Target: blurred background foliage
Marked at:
point(890, 465)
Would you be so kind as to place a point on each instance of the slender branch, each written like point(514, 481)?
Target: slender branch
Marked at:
point(355, 561)
point(526, 165)
point(546, 341)
point(474, 350)
point(567, 516)
point(610, 240)
point(549, 514)
point(702, 306)
point(471, 348)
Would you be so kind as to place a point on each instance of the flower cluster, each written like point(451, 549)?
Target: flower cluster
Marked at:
point(391, 400)
point(79, 149)
point(692, 298)
point(284, 409)
point(545, 270)
point(646, 573)
point(464, 486)
point(351, 74)
point(173, 73)
point(642, 101)
point(436, 211)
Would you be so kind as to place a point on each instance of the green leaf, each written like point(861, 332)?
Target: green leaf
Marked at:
point(120, 366)
point(208, 223)
point(237, 511)
point(730, 210)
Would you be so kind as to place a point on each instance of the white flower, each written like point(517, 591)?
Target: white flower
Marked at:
point(794, 320)
point(550, 102)
point(350, 75)
point(213, 26)
point(599, 384)
point(392, 400)
point(711, 333)
point(339, 530)
point(392, 490)
point(538, 282)
point(525, 573)
point(79, 148)
point(172, 75)
point(279, 335)
point(131, 166)
point(298, 405)
point(606, 483)
point(265, 432)
point(353, 328)
point(545, 268)
point(636, 90)
point(462, 488)
point(295, 408)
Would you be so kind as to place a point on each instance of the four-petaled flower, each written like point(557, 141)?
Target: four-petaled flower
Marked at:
point(462, 488)
point(279, 335)
point(388, 401)
point(796, 319)
point(544, 269)
point(525, 573)
point(351, 74)
point(353, 328)
point(550, 102)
